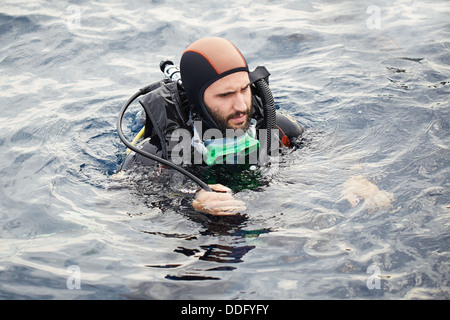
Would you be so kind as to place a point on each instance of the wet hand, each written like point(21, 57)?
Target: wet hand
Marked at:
point(358, 188)
point(219, 202)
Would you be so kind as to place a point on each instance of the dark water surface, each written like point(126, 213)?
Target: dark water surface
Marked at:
point(373, 91)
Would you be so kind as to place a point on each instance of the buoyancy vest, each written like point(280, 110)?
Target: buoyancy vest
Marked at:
point(167, 109)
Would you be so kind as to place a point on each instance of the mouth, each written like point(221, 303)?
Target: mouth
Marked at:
point(238, 118)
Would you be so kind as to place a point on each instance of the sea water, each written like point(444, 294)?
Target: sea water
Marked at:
point(370, 82)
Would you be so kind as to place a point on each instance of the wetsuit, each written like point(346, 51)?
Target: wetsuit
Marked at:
point(167, 110)
point(172, 107)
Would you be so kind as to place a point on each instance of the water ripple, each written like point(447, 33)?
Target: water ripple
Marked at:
point(375, 104)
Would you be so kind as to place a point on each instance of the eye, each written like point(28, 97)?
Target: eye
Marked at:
point(244, 89)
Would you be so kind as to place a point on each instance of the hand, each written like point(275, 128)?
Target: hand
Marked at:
point(358, 188)
point(219, 202)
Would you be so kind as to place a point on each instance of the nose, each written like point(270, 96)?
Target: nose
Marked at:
point(239, 103)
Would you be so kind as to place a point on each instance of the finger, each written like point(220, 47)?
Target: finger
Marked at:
point(226, 211)
point(225, 204)
point(220, 207)
point(209, 197)
point(213, 196)
point(220, 203)
point(219, 188)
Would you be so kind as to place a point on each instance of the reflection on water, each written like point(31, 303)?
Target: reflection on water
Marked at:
point(367, 191)
point(210, 228)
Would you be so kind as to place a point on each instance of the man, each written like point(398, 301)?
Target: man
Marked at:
point(218, 93)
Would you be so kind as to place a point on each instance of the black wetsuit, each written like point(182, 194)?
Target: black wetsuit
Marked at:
point(167, 110)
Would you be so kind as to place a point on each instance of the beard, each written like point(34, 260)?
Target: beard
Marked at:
point(222, 121)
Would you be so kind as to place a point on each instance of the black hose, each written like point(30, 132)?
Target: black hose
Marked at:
point(143, 91)
point(269, 116)
point(269, 110)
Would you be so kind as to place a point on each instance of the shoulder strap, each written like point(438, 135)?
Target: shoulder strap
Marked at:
point(259, 73)
point(165, 112)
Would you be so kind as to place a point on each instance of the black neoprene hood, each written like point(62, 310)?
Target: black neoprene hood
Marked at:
point(204, 62)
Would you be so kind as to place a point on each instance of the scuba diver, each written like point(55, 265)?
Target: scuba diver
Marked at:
point(212, 112)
